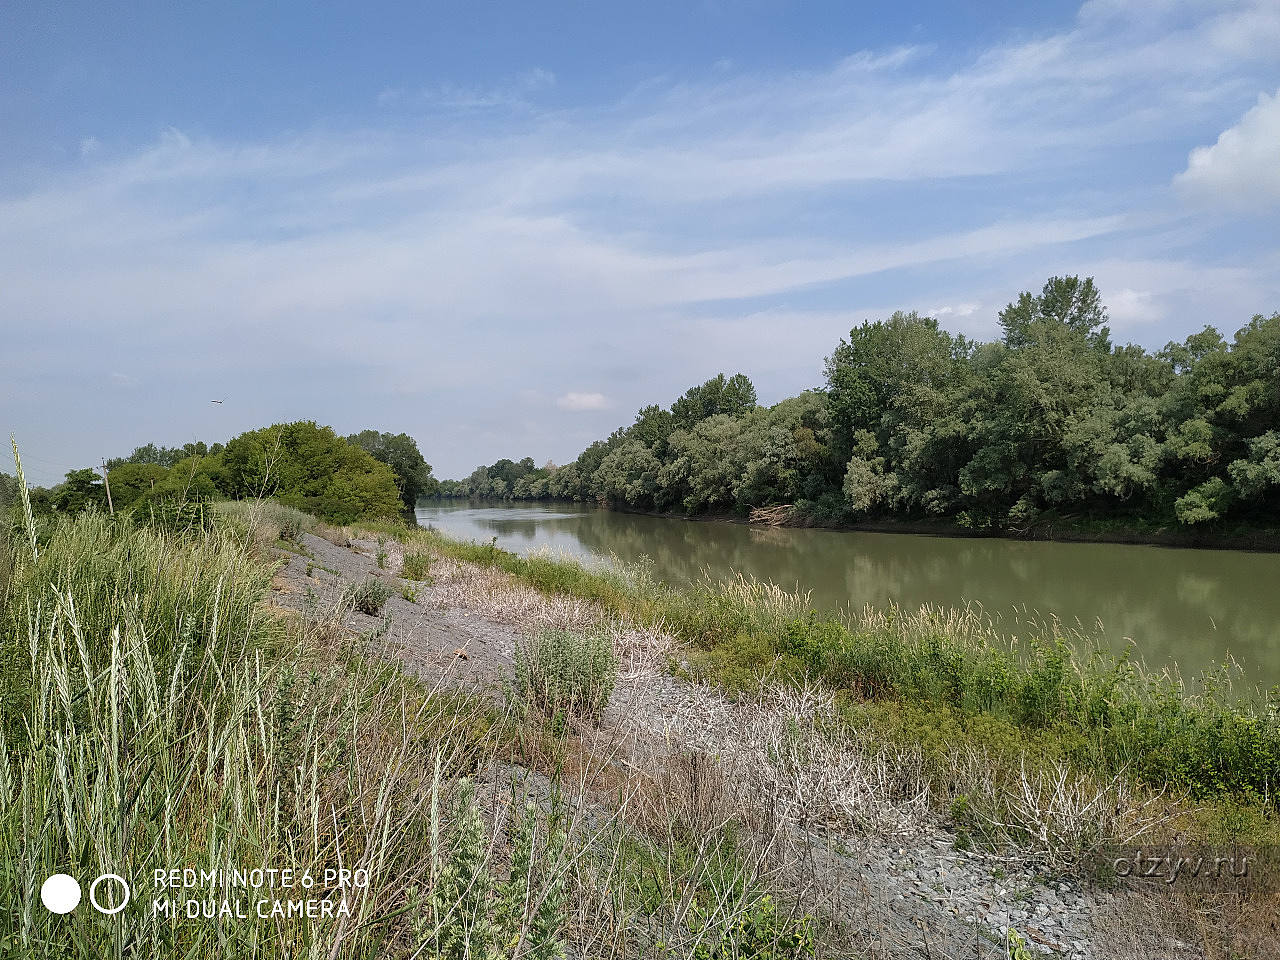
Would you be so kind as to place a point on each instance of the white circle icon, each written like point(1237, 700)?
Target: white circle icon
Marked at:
point(93, 893)
point(60, 893)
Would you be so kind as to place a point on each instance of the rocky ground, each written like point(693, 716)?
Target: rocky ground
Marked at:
point(883, 862)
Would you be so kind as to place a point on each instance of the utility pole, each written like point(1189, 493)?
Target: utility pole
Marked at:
point(110, 505)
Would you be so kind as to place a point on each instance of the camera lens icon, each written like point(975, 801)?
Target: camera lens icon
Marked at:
point(61, 893)
point(115, 878)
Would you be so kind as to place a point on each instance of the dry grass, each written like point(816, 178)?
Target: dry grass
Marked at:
point(1058, 811)
point(792, 755)
point(1159, 922)
point(499, 597)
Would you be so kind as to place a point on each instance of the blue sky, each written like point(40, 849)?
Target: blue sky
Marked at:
point(503, 227)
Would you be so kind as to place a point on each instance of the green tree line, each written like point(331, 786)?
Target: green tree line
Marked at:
point(363, 476)
point(1050, 422)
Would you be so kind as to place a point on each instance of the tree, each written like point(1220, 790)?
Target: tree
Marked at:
point(784, 451)
point(653, 426)
point(161, 456)
point(82, 489)
point(629, 474)
point(400, 452)
point(9, 493)
point(879, 362)
point(733, 397)
point(1049, 421)
point(191, 479)
point(1064, 303)
point(707, 465)
point(131, 481)
point(310, 467)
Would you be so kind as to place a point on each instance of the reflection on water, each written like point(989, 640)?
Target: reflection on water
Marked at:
point(1190, 607)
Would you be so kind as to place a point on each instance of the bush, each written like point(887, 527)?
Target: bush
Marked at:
point(416, 566)
point(368, 596)
point(265, 520)
point(292, 525)
point(566, 673)
point(470, 912)
point(761, 933)
point(309, 467)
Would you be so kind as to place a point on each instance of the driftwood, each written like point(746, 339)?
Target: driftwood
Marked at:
point(783, 515)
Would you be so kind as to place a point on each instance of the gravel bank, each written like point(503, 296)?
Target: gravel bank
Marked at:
point(882, 861)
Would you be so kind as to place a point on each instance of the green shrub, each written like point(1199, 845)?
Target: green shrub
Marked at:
point(291, 525)
point(470, 913)
point(759, 932)
point(416, 566)
point(309, 467)
point(566, 673)
point(368, 596)
point(265, 520)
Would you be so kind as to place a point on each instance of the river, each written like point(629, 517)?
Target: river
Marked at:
point(1189, 608)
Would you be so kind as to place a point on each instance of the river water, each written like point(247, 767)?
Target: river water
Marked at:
point(1189, 608)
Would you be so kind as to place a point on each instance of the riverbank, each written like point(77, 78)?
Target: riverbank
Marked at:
point(1056, 530)
point(1189, 610)
point(730, 798)
point(1047, 679)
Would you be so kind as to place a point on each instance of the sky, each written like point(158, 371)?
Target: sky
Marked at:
point(503, 227)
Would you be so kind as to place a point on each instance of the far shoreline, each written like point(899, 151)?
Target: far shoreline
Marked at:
point(1055, 531)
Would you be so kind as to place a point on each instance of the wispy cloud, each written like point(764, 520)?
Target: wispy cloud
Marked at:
point(517, 92)
point(582, 401)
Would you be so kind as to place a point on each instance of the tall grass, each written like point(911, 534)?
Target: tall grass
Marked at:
point(93, 577)
point(158, 717)
point(266, 520)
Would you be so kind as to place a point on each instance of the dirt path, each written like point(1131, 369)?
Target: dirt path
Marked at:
point(883, 862)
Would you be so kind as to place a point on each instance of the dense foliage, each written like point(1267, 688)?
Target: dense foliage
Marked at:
point(162, 456)
point(8, 491)
point(1051, 421)
point(300, 464)
point(400, 452)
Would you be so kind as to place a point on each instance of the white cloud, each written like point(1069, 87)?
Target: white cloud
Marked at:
point(513, 93)
point(952, 310)
point(582, 401)
point(1241, 170)
point(1129, 308)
